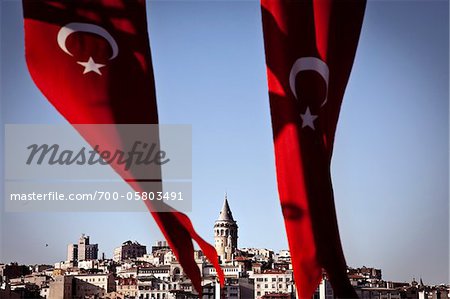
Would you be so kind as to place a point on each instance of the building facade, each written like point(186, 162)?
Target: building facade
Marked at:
point(86, 251)
point(61, 287)
point(271, 282)
point(83, 251)
point(129, 250)
point(93, 285)
point(72, 253)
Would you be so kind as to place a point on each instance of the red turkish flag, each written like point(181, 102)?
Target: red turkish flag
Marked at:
point(92, 61)
point(310, 48)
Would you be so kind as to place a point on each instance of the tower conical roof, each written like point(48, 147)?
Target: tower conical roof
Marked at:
point(225, 213)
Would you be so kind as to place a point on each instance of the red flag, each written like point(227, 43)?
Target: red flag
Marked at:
point(310, 47)
point(92, 61)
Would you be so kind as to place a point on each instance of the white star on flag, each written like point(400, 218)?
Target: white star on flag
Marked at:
point(308, 119)
point(91, 66)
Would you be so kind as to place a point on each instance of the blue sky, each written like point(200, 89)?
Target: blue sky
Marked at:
point(390, 164)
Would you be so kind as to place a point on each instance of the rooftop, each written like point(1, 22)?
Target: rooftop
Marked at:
point(225, 213)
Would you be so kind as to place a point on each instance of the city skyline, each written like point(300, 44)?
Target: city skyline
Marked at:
point(135, 272)
point(390, 164)
point(225, 207)
point(84, 254)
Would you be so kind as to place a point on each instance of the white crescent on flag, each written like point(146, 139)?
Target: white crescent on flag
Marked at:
point(309, 64)
point(70, 28)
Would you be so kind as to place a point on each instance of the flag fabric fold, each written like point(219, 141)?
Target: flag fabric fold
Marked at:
point(310, 46)
point(92, 61)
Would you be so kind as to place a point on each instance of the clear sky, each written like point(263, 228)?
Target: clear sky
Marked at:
point(390, 164)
